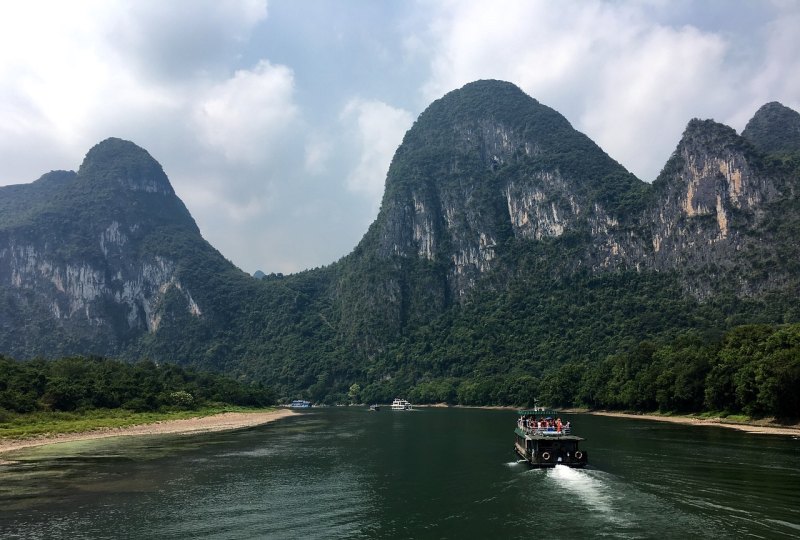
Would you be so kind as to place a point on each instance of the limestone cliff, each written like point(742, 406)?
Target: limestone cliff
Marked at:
point(485, 164)
point(78, 265)
point(709, 200)
point(486, 167)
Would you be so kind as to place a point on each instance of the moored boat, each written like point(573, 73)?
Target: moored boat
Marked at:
point(300, 404)
point(543, 440)
point(401, 405)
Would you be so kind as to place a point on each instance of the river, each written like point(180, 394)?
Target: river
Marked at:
point(430, 473)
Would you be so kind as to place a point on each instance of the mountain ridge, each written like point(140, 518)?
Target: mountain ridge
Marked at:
point(497, 215)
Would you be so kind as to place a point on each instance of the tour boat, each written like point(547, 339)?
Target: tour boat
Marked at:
point(401, 405)
point(543, 440)
point(300, 404)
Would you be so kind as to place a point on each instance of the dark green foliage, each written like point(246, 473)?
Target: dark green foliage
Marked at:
point(774, 129)
point(78, 383)
point(752, 369)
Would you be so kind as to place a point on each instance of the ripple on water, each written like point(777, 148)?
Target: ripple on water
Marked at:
point(593, 503)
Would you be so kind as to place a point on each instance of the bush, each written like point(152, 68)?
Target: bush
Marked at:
point(181, 399)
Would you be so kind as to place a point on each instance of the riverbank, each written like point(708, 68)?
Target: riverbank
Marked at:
point(759, 427)
point(203, 424)
point(764, 427)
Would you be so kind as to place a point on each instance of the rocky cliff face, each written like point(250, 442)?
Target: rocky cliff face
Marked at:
point(485, 164)
point(464, 182)
point(78, 264)
point(708, 202)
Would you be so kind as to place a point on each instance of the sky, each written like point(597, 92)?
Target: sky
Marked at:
point(276, 120)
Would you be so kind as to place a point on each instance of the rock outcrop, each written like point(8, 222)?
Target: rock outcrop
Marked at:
point(81, 261)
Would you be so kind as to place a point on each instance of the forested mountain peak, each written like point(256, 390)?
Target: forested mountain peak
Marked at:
point(123, 162)
point(774, 128)
point(90, 259)
point(18, 203)
point(488, 125)
point(485, 164)
point(711, 150)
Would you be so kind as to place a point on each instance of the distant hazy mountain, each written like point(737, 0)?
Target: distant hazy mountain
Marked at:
point(507, 243)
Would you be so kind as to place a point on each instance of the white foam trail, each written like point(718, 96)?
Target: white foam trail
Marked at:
point(592, 491)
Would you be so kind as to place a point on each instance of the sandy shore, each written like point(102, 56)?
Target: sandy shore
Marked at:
point(217, 422)
point(764, 428)
point(761, 428)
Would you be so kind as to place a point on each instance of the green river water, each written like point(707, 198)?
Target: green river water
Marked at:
point(430, 473)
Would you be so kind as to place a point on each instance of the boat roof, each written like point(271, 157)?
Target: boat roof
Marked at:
point(538, 411)
point(555, 438)
point(548, 436)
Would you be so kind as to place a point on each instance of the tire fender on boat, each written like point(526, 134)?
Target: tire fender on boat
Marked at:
point(578, 454)
point(546, 456)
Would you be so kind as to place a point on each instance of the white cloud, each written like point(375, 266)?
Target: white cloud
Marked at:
point(176, 40)
point(778, 78)
point(71, 73)
point(644, 98)
point(244, 116)
point(379, 130)
point(318, 152)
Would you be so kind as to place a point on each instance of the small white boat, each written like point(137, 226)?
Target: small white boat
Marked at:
point(401, 405)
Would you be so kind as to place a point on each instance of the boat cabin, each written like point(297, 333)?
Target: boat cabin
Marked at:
point(401, 405)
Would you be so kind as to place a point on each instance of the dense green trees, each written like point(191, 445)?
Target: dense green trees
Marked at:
point(77, 383)
point(753, 369)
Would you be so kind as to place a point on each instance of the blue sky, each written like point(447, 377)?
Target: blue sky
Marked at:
point(276, 120)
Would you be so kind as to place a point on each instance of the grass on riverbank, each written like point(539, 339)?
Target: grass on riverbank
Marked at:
point(24, 426)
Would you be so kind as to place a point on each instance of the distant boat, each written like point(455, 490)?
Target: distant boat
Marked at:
point(401, 405)
point(300, 404)
point(375, 407)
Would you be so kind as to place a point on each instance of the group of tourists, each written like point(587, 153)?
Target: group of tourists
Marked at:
point(533, 424)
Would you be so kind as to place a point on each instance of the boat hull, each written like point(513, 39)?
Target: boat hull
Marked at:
point(547, 452)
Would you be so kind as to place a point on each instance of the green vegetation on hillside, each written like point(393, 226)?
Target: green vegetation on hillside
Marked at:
point(752, 370)
point(774, 129)
point(498, 349)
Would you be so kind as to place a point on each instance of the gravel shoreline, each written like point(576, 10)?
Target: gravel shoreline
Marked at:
point(204, 424)
point(759, 429)
point(763, 428)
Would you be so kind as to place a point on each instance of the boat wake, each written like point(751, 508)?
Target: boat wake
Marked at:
point(590, 490)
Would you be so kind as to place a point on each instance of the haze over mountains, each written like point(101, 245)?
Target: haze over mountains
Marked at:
point(507, 243)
